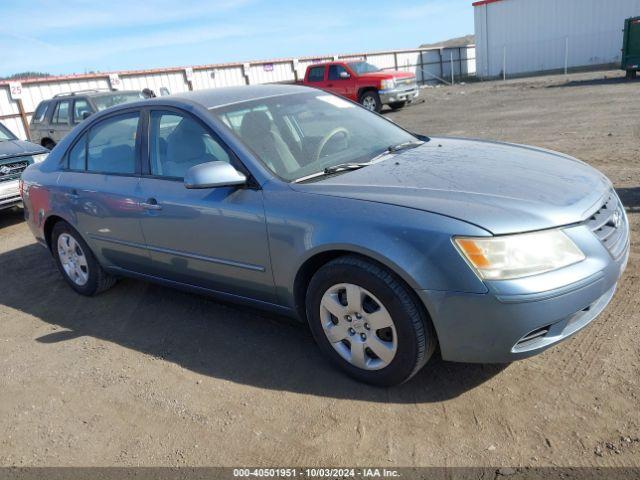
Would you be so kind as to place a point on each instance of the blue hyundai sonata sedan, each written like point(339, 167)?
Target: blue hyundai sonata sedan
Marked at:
point(388, 243)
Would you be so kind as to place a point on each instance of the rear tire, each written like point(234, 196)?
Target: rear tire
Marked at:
point(76, 261)
point(397, 105)
point(48, 144)
point(388, 336)
point(631, 74)
point(371, 101)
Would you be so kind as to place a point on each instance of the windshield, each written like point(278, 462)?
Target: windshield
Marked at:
point(5, 134)
point(363, 67)
point(111, 99)
point(301, 134)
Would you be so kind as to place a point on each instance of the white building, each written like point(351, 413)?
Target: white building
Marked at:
point(520, 37)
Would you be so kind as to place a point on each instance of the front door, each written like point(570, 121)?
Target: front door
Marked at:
point(340, 81)
point(100, 187)
point(214, 238)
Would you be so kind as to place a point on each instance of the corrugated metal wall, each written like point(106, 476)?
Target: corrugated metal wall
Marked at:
point(429, 65)
point(531, 36)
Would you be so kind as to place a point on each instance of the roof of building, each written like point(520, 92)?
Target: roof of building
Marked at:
point(484, 2)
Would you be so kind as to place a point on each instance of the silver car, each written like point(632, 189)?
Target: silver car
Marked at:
point(387, 243)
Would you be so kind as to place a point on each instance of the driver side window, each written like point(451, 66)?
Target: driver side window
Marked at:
point(178, 142)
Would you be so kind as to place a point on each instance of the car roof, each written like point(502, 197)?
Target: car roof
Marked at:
point(218, 97)
point(90, 93)
point(215, 97)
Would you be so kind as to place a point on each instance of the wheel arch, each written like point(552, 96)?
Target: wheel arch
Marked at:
point(363, 90)
point(318, 259)
point(49, 223)
point(46, 140)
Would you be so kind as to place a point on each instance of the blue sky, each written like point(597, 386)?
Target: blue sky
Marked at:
point(74, 36)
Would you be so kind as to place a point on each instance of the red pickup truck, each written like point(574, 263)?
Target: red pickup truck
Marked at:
point(364, 83)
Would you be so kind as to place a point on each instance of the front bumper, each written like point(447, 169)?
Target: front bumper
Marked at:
point(518, 319)
point(402, 94)
point(10, 194)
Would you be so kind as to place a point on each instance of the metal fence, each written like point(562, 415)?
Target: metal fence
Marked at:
point(18, 100)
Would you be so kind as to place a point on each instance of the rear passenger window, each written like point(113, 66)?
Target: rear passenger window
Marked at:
point(112, 145)
point(316, 74)
point(78, 154)
point(38, 115)
point(61, 113)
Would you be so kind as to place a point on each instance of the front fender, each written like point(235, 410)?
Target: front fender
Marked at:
point(416, 245)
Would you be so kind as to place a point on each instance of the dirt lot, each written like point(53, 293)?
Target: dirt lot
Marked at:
point(144, 375)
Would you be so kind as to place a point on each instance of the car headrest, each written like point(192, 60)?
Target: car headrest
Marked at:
point(185, 143)
point(255, 124)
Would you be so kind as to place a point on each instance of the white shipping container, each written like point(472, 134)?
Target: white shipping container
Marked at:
point(519, 37)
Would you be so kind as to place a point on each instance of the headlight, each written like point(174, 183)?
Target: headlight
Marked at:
point(41, 157)
point(516, 256)
point(387, 84)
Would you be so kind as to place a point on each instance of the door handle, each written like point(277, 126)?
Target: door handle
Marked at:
point(151, 204)
point(330, 85)
point(51, 131)
point(72, 195)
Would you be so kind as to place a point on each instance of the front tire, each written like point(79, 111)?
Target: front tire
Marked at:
point(76, 261)
point(368, 322)
point(371, 101)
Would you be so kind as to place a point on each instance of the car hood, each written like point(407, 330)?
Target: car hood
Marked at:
point(388, 74)
point(502, 188)
point(16, 148)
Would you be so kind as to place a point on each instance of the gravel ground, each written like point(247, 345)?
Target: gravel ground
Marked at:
point(144, 375)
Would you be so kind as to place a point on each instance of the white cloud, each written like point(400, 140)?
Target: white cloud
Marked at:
point(90, 50)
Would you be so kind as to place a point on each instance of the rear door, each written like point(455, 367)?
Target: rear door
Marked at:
point(100, 187)
point(214, 238)
point(60, 123)
point(317, 77)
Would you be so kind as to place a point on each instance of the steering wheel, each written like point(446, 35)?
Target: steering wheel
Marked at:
point(325, 140)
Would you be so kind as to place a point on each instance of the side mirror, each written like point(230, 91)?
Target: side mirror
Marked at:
point(85, 115)
point(344, 75)
point(213, 174)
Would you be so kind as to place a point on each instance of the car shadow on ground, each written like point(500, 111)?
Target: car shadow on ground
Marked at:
point(630, 198)
point(592, 82)
point(223, 341)
point(10, 216)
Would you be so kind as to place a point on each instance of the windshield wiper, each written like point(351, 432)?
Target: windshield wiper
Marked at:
point(343, 167)
point(395, 148)
point(404, 146)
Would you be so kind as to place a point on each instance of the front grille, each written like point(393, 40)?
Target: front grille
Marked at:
point(608, 223)
point(406, 82)
point(12, 169)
